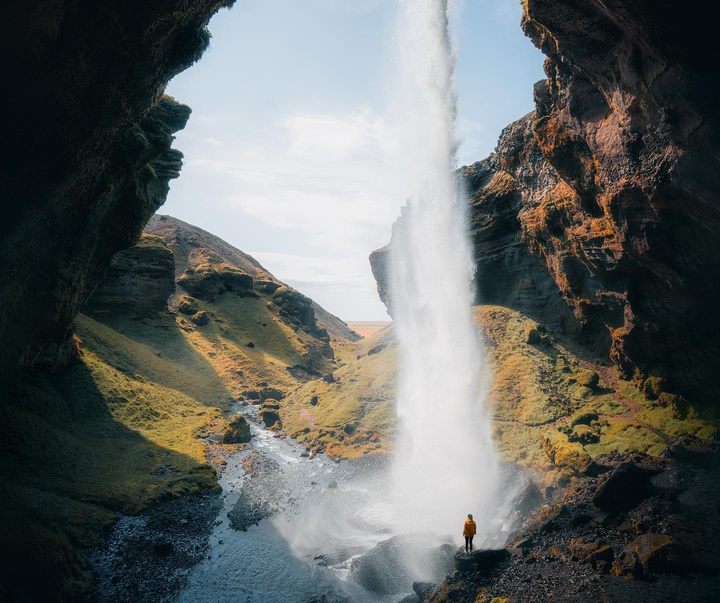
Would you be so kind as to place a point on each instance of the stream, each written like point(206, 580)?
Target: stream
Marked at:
point(318, 516)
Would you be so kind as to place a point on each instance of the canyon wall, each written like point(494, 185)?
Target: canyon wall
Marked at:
point(88, 135)
point(599, 212)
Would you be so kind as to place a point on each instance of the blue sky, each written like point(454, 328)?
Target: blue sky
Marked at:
point(292, 152)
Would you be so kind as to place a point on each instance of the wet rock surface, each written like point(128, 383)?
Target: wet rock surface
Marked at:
point(386, 568)
point(148, 557)
point(659, 548)
point(262, 494)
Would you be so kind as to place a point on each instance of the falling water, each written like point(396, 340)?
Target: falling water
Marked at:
point(446, 465)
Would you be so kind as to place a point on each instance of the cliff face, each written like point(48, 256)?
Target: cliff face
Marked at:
point(138, 282)
point(598, 213)
point(628, 225)
point(207, 268)
point(90, 138)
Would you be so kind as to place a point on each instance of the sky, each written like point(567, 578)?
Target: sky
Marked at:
point(293, 153)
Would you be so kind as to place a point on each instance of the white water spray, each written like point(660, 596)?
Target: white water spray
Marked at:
point(446, 465)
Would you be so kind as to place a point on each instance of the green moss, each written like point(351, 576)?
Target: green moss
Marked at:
point(588, 378)
point(623, 436)
point(674, 423)
point(354, 415)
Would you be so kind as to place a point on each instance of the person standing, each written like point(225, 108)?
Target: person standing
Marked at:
point(469, 530)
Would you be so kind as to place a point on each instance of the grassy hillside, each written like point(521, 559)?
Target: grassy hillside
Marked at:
point(98, 439)
point(136, 420)
point(553, 408)
point(354, 414)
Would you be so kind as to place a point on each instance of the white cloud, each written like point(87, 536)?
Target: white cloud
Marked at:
point(215, 142)
point(342, 282)
point(327, 272)
point(332, 177)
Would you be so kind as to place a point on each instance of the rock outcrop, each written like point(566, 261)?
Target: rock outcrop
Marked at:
point(138, 283)
point(599, 212)
point(207, 268)
point(90, 135)
point(573, 549)
point(392, 565)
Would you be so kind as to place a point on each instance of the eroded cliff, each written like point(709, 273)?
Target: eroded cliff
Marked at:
point(598, 213)
point(89, 134)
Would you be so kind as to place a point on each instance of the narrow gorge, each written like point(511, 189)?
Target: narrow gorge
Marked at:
point(178, 424)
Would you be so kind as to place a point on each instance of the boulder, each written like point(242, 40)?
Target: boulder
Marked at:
point(423, 589)
point(392, 566)
point(627, 565)
point(583, 417)
point(588, 378)
point(583, 434)
point(200, 318)
point(623, 489)
point(532, 335)
point(599, 555)
point(237, 432)
point(187, 305)
point(487, 560)
point(271, 418)
point(464, 562)
point(653, 551)
point(270, 393)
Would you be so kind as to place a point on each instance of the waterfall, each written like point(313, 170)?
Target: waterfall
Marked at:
point(446, 464)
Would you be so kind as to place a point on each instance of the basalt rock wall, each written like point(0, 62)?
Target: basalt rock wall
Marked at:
point(599, 213)
point(88, 134)
point(138, 283)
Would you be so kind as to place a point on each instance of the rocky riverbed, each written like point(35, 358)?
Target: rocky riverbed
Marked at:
point(634, 528)
point(285, 528)
point(147, 558)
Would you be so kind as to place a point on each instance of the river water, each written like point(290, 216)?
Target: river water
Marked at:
point(326, 513)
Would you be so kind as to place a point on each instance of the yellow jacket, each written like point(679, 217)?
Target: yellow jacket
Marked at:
point(470, 528)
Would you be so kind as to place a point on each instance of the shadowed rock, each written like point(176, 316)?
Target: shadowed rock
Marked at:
point(138, 282)
point(488, 559)
point(623, 489)
point(394, 564)
point(237, 431)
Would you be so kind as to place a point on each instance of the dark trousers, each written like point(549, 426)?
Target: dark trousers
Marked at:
point(468, 543)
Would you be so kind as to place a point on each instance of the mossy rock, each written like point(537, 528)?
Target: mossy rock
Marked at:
point(653, 551)
point(271, 418)
point(583, 417)
point(237, 432)
point(584, 434)
point(588, 378)
point(665, 400)
point(594, 552)
point(568, 457)
point(653, 386)
point(583, 392)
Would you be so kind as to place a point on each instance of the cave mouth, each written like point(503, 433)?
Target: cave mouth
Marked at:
point(365, 155)
point(297, 147)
